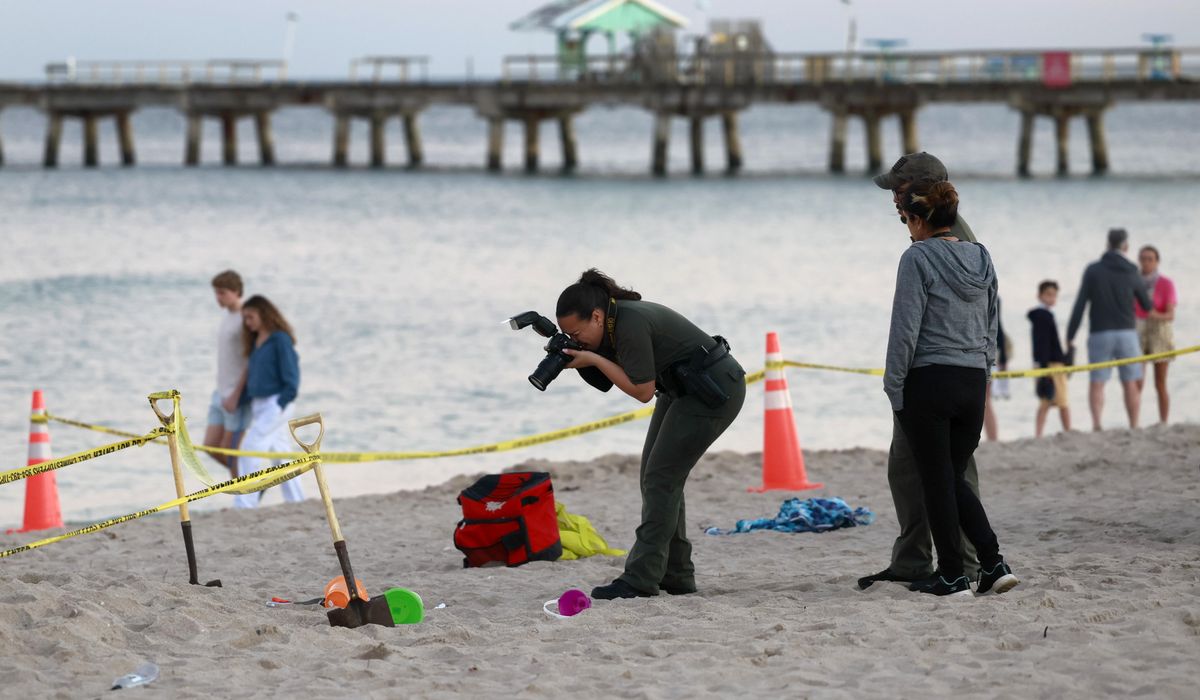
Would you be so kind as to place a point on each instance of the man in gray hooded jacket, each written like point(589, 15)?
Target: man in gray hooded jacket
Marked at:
point(912, 552)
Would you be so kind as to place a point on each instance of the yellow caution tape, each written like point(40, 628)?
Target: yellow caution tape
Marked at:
point(51, 465)
point(273, 475)
point(1007, 374)
point(95, 428)
point(620, 418)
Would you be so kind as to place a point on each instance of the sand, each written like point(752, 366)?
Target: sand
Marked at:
point(1101, 528)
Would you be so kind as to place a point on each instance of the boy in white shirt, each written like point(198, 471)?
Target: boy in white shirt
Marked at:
point(226, 420)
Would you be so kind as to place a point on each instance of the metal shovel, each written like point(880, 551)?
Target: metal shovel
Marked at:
point(185, 521)
point(357, 612)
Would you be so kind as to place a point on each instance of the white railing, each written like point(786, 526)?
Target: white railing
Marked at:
point(1021, 66)
point(375, 69)
point(220, 71)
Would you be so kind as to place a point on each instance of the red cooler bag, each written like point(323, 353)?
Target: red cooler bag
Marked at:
point(508, 519)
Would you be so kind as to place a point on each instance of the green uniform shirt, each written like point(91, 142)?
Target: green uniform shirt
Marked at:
point(650, 338)
point(961, 231)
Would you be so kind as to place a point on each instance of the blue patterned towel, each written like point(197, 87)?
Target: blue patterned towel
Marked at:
point(809, 515)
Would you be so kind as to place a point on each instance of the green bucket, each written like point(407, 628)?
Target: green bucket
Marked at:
point(406, 606)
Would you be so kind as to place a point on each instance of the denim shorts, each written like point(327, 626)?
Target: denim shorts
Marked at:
point(1115, 345)
point(234, 422)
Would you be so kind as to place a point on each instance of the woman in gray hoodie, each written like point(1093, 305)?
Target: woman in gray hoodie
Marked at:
point(940, 350)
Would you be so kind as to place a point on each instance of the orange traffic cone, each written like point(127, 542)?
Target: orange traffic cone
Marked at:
point(42, 511)
point(783, 462)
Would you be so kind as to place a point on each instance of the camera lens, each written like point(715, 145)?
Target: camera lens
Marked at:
point(548, 369)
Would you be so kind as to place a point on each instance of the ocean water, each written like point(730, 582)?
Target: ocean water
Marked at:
point(398, 282)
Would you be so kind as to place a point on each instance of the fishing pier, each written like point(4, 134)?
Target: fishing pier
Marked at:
point(700, 87)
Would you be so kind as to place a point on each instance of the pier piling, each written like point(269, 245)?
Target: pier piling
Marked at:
point(733, 142)
point(908, 130)
point(53, 139)
point(662, 139)
point(412, 140)
point(874, 142)
point(1095, 126)
point(531, 144)
point(125, 139)
point(266, 142)
point(1025, 143)
point(495, 146)
point(378, 140)
point(195, 128)
point(566, 135)
point(837, 143)
point(1062, 136)
point(697, 133)
point(91, 141)
point(229, 138)
point(341, 140)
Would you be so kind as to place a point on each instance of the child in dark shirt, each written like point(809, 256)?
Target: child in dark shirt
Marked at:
point(1048, 352)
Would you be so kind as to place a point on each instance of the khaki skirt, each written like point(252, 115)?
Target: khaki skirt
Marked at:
point(1155, 336)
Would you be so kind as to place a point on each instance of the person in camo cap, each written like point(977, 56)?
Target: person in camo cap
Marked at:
point(912, 553)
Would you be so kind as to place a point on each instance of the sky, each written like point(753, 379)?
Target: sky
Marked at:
point(454, 32)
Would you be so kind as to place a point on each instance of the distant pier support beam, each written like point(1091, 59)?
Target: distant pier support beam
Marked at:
point(266, 141)
point(1025, 143)
point(229, 138)
point(697, 134)
point(874, 142)
point(378, 140)
point(733, 142)
point(662, 139)
point(495, 146)
point(341, 140)
point(53, 139)
point(531, 144)
point(837, 143)
point(1062, 138)
point(566, 135)
point(125, 139)
point(195, 128)
point(908, 130)
point(91, 141)
point(1095, 126)
point(412, 140)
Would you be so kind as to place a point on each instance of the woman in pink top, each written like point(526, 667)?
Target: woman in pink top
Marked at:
point(1154, 327)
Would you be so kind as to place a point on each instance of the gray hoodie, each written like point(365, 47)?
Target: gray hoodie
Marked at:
point(944, 313)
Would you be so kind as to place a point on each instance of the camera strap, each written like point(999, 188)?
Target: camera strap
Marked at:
point(610, 323)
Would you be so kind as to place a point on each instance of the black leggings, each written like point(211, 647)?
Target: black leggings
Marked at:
point(942, 418)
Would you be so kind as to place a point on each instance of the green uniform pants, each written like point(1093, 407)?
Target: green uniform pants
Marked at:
point(912, 554)
point(681, 430)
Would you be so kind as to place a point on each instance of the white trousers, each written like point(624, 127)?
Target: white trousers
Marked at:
point(268, 432)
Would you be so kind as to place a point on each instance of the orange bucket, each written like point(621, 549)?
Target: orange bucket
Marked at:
point(338, 596)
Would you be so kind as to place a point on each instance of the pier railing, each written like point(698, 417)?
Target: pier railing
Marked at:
point(378, 69)
point(219, 71)
point(1051, 67)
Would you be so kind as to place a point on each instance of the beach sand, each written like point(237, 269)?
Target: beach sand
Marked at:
point(1102, 529)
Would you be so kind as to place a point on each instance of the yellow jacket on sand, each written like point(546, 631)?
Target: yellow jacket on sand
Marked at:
point(579, 538)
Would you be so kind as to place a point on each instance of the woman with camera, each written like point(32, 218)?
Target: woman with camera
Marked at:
point(940, 350)
point(647, 350)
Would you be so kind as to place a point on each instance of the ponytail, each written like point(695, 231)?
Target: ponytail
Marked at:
point(591, 292)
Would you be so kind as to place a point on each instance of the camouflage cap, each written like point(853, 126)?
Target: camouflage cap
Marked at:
point(912, 168)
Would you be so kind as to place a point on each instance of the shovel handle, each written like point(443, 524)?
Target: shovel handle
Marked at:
point(163, 396)
point(315, 445)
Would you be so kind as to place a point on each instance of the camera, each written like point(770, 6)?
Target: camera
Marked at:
point(555, 360)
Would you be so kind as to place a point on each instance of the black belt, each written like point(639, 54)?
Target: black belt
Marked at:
point(667, 382)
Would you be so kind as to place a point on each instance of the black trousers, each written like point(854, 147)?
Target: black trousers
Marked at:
point(942, 419)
